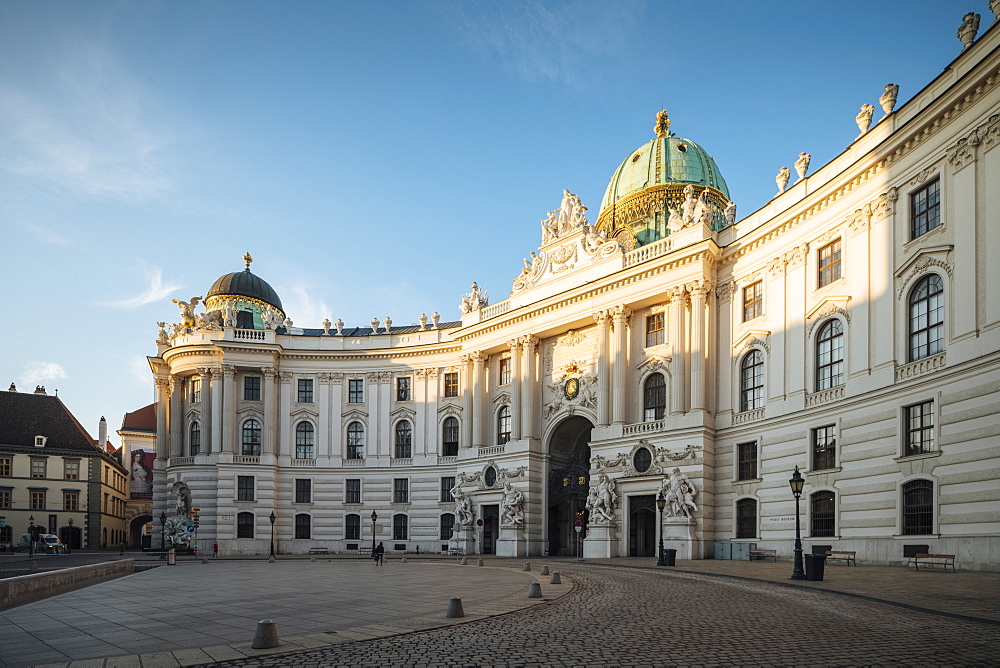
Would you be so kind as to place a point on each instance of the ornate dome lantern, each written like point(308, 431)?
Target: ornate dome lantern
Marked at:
point(655, 178)
point(248, 294)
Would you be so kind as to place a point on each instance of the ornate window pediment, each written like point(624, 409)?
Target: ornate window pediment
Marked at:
point(402, 412)
point(827, 307)
point(751, 338)
point(247, 413)
point(304, 413)
point(501, 399)
point(653, 363)
point(355, 416)
point(920, 263)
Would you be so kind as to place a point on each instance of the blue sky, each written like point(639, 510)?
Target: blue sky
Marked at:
point(375, 157)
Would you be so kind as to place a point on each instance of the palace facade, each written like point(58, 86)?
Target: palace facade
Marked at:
point(846, 329)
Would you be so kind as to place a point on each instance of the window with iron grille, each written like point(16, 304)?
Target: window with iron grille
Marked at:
point(37, 467)
point(503, 425)
point(404, 439)
point(654, 397)
point(355, 441)
point(403, 389)
point(829, 263)
point(251, 438)
point(918, 507)
point(71, 469)
point(925, 209)
point(251, 388)
point(5, 496)
point(244, 525)
point(752, 381)
point(822, 520)
point(746, 518)
point(244, 488)
point(824, 448)
point(926, 321)
point(451, 384)
point(449, 437)
point(504, 371)
point(303, 526)
point(352, 490)
point(304, 440)
point(305, 391)
point(447, 484)
point(400, 490)
point(352, 527)
point(400, 527)
point(753, 301)
point(654, 329)
point(194, 439)
point(830, 355)
point(918, 429)
point(447, 526)
point(5, 467)
point(37, 499)
point(303, 490)
point(746, 468)
point(355, 391)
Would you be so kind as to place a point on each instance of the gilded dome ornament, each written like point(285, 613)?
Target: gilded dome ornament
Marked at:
point(247, 259)
point(662, 127)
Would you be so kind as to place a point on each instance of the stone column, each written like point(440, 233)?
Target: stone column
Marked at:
point(478, 360)
point(206, 409)
point(386, 393)
point(515, 389)
point(322, 447)
point(228, 420)
point(678, 351)
point(283, 425)
point(603, 369)
point(176, 415)
point(465, 378)
point(217, 421)
point(373, 443)
point(726, 294)
point(162, 401)
point(335, 409)
point(270, 412)
point(529, 381)
point(620, 316)
point(699, 294)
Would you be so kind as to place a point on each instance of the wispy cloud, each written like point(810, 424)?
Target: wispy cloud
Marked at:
point(304, 307)
point(156, 291)
point(39, 372)
point(48, 236)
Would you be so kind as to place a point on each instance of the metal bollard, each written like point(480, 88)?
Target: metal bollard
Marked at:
point(455, 607)
point(266, 635)
point(463, 562)
point(555, 580)
point(527, 566)
point(544, 571)
point(534, 590)
point(402, 560)
point(479, 561)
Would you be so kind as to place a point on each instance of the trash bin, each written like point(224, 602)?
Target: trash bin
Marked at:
point(815, 565)
point(671, 557)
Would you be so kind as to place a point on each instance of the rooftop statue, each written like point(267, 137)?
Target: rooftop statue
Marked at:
point(475, 300)
point(161, 336)
point(802, 165)
point(187, 310)
point(688, 208)
point(967, 31)
point(731, 213)
point(340, 326)
point(326, 326)
point(571, 213)
point(782, 179)
point(888, 98)
point(662, 127)
point(423, 321)
point(864, 117)
point(675, 221)
point(435, 319)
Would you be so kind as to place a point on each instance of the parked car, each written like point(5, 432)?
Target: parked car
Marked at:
point(46, 542)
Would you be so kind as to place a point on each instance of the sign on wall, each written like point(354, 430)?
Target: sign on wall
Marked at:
point(141, 473)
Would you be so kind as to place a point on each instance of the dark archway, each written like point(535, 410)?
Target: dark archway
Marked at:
point(137, 534)
point(71, 537)
point(568, 484)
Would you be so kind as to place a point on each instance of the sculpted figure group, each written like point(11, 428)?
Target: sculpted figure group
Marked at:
point(475, 300)
point(601, 501)
point(679, 493)
point(564, 220)
point(463, 506)
point(511, 511)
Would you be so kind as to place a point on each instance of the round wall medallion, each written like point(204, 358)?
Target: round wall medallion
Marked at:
point(571, 388)
point(642, 460)
point(490, 477)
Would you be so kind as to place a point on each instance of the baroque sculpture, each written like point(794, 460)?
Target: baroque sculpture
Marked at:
point(388, 324)
point(888, 98)
point(326, 326)
point(782, 179)
point(602, 500)
point(511, 511)
point(463, 506)
point(161, 336)
point(187, 310)
point(679, 493)
point(568, 218)
point(423, 321)
point(475, 300)
point(272, 318)
point(228, 315)
point(435, 318)
point(374, 324)
point(175, 528)
point(864, 118)
point(967, 31)
point(340, 326)
point(802, 165)
point(731, 213)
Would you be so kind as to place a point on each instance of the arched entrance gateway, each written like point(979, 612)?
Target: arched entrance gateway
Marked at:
point(140, 532)
point(568, 484)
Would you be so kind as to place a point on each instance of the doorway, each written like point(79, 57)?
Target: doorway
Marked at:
point(70, 537)
point(569, 482)
point(140, 530)
point(491, 527)
point(642, 525)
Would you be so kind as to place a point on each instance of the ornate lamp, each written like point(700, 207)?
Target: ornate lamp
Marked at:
point(661, 503)
point(69, 537)
point(796, 483)
point(31, 536)
point(272, 518)
point(374, 517)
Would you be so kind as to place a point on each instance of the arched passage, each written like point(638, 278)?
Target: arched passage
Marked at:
point(139, 531)
point(569, 482)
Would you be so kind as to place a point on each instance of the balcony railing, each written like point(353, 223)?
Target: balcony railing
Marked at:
point(825, 396)
point(920, 367)
point(644, 427)
point(748, 416)
point(494, 310)
point(447, 460)
point(181, 461)
point(401, 461)
point(303, 462)
point(489, 450)
point(354, 462)
point(646, 253)
point(246, 459)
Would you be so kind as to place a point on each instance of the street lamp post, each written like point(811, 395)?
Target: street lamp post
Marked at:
point(272, 518)
point(163, 535)
point(31, 536)
point(661, 503)
point(374, 517)
point(69, 538)
point(796, 484)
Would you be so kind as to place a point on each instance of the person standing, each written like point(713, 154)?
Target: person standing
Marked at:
point(379, 554)
point(215, 550)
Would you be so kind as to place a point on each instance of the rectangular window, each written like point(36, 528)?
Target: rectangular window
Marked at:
point(403, 388)
point(447, 484)
point(753, 301)
point(824, 448)
point(829, 263)
point(5, 498)
point(400, 490)
point(925, 209)
point(305, 394)
point(746, 468)
point(355, 391)
point(303, 527)
point(37, 468)
point(244, 488)
point(71, 469)
point(654, 329)
point(352, 527)
point(251, 388)
point(196, 391)
point(352, 490)
point(451, 384)
point(5, 467)
point(303, 491)
point(504, 371)
point(37, 500)
point(71, 500)
point(918, 429)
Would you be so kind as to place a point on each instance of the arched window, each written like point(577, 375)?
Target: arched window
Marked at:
point(304, 441)
point(355, 441)
point(822, 519)
point(251, 438)
point(400, 527)
point(503, 425)
point(447, 526)
point(654, 397)
point(404, 440)
point(244, 525)
point(449, 437)
point(830, 355)
point(303, 526)
point(352, 527)
point(918, 507)
point(926, 317)
point(752, 381)
point(746, 518)
point(194, 439)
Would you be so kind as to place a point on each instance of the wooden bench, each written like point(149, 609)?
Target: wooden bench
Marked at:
point(945, 560)
point(456, 552)
point(319, 550)
point(848, 557)
point(763, 554)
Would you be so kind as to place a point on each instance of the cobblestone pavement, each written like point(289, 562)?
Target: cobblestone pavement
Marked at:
point(635, 617)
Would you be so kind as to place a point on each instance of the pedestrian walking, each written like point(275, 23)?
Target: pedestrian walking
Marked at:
point(379, 554)
point(121, 547)
point(215, 550)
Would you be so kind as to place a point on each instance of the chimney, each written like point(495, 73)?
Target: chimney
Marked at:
point(102, 434)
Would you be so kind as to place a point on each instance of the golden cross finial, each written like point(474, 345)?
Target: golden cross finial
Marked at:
point(248, 259)
point(662, 127)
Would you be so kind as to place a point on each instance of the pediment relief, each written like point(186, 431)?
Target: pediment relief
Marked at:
point(653, 363)
point(938, 253)
point(304, 412)
point(193, 414)
point(450, 409)
point(825, 238)
point(502, 398)
point(354, 415)
point(247, 413)
point(751, 338)
point(828, 307)
point(401, 413)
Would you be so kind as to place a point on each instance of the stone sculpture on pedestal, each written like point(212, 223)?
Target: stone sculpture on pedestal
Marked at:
point(602, 500)
point(161, 336)
point(423, 321)
point(967, 31)
point(731, 213)
point(463, 506)
point(388, 324)
point(435, 319)
point(679, 493)
point(802, 165)
point(374, 324)
point(326, 326)
point(511, 512)
point(475, 300)
point(340, 326)
point(888, 98)
point(782, 179)
point(864, 118)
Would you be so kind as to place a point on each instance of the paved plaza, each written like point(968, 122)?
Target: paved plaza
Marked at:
point(622, 612)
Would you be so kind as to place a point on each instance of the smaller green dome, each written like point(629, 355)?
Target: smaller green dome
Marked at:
point(245, 284)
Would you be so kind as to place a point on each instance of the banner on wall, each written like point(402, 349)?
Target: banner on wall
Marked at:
point(141, 473)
